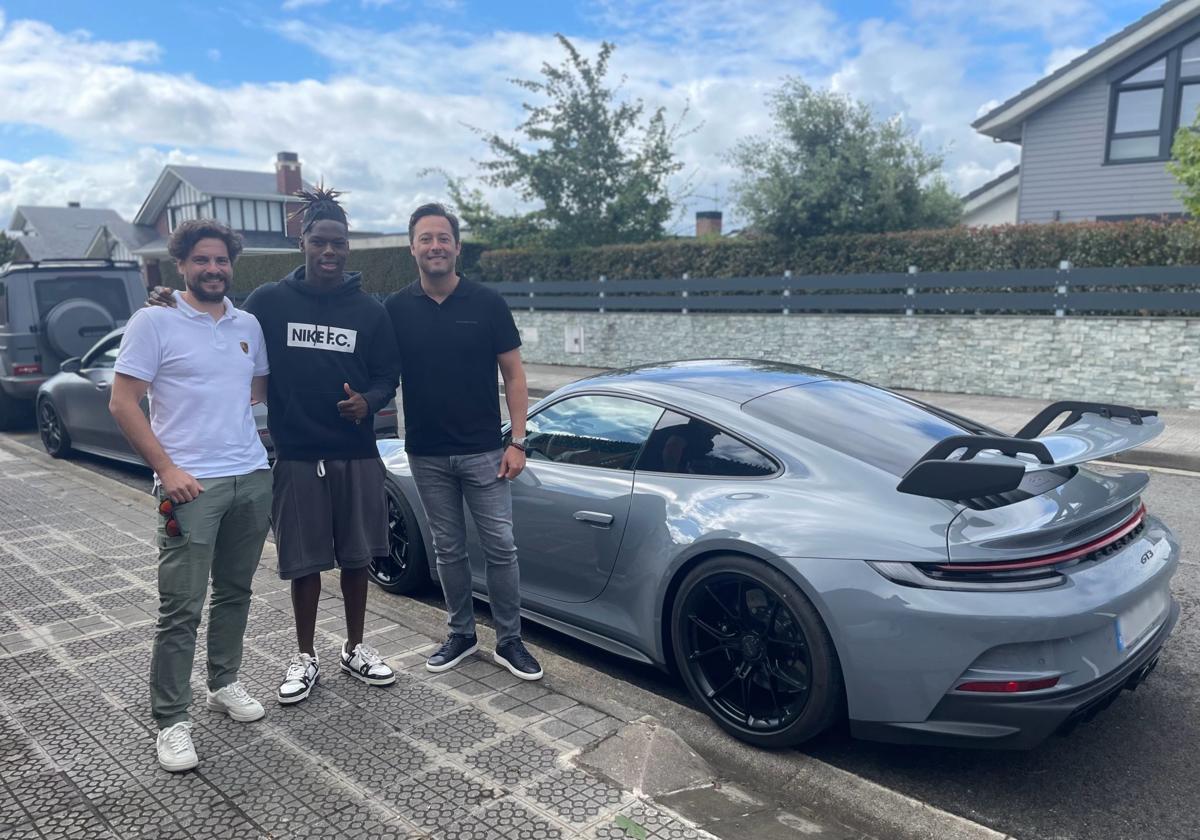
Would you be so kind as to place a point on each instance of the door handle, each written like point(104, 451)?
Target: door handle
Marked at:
point(591, 517)
point(100, 386)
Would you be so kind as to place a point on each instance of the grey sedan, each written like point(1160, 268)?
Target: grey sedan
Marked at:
point(72, 408)
point(802, 547)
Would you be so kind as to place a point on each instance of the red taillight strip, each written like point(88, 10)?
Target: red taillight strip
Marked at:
point(1007, 686)
point(1050, 559)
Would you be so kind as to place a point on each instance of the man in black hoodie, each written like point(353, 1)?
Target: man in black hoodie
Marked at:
point(332, 354)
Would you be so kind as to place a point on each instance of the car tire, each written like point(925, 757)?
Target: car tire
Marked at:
point(406, 568)
point(55, 438)
point(754, 652)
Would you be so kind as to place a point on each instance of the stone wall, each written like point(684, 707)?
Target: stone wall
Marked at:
point(1141, 361)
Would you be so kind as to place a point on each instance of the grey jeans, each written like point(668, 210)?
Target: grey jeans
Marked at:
point(443, 482)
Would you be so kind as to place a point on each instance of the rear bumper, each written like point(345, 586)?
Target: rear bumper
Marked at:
point(1016, 723)
point(21, 387)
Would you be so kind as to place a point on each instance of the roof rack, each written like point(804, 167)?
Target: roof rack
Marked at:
point(69, 262)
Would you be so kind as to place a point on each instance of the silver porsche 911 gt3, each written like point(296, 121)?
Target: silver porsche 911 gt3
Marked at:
point(800, 546)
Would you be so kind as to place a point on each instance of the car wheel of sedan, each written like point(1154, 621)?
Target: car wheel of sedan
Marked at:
point(754, 652)
point(53, 432)
point(405, 569)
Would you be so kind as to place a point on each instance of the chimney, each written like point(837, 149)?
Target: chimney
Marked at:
point(73, 204)
point(287, 173)
point(708, 223)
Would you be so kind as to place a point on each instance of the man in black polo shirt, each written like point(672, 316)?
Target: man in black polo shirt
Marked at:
point(452, 334)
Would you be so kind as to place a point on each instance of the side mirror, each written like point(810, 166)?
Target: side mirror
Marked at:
point(70, 365)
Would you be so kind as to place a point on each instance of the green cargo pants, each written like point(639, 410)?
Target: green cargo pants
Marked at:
point(222, 535)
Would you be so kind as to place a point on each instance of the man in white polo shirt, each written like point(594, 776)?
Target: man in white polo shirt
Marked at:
point(202, 363)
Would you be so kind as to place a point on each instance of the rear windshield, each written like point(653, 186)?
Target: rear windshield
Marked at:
point(109, 292)
point(866, 423)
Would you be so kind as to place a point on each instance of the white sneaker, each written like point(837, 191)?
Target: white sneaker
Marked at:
point(175, 749)
point(235, 702)
point(366, 664)
point(301, 676)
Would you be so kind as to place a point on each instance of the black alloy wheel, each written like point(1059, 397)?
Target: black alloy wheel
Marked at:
point(755, 653)
point(405, 568)
point(54, 434)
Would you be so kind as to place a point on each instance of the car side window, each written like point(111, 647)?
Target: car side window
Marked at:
point(686, 446)
point(104, 356)
point(592, 431)
point(3, 303)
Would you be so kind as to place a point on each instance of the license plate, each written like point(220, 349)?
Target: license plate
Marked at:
point(1132, 624)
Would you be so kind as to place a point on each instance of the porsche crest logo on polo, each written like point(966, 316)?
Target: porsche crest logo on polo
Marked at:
point(245, 345)
point(321, 338)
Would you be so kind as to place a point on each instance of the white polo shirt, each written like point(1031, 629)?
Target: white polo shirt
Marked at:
point(199, 372)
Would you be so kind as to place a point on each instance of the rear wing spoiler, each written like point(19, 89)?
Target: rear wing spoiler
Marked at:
point(990, 465)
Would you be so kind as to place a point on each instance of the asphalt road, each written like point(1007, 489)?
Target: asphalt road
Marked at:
point(1130, 773)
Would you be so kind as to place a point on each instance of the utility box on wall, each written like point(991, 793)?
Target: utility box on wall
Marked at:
point(573, 341)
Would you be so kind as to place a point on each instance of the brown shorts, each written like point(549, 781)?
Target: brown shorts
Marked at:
point(328, 514)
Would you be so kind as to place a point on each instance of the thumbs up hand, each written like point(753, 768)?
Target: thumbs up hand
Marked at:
point(354, 407)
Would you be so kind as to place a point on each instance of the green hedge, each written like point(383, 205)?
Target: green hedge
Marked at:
point(384, 269)
point(1085, 244)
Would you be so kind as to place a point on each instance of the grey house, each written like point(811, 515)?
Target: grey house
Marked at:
point(1095, 135)
point(74, 232)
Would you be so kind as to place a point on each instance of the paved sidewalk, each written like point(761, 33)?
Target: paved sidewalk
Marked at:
point(1177, 447)
point(472, 753)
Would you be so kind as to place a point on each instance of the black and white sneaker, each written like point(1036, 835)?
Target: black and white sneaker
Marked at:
point(366, 664)
point(301, 676)
point(514, 656)
point(455, 649)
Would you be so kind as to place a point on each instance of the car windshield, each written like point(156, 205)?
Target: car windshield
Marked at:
point(872, 425)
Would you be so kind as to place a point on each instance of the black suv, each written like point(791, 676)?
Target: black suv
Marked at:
point(55, 310)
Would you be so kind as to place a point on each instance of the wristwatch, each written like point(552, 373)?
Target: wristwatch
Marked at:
point(518, 442)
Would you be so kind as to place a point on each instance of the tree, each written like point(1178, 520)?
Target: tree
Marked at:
point(7, 246)
point(598, 167)
point(830, 167)
point(1185, 165)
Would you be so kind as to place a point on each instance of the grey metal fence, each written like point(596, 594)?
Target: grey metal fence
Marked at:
point(1169, 290)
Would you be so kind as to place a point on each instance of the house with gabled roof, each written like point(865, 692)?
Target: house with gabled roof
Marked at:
point(258, 204)
point(1095, 135)
point(73, 232)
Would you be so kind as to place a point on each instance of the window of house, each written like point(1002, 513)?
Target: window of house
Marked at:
point(1151, 103)
point(592, 431)
point(1137, 117)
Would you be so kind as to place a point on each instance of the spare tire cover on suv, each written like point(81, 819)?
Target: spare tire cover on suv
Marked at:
point(73, 326)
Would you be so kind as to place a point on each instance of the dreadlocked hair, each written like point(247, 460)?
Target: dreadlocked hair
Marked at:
point(319, 203)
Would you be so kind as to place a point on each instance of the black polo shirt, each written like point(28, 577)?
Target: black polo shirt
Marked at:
point(448, 366)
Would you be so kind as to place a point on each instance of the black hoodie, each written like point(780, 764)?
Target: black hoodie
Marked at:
point(317, 340)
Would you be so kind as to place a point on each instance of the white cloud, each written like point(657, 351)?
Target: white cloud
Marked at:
point(384, 115)
point(1061, 57)
point(293, 5)
point(1056, 19)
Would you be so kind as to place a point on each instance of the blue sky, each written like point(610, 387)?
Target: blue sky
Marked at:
point(372, 93)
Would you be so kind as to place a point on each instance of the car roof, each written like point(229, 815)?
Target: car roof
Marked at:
point(736, 380)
